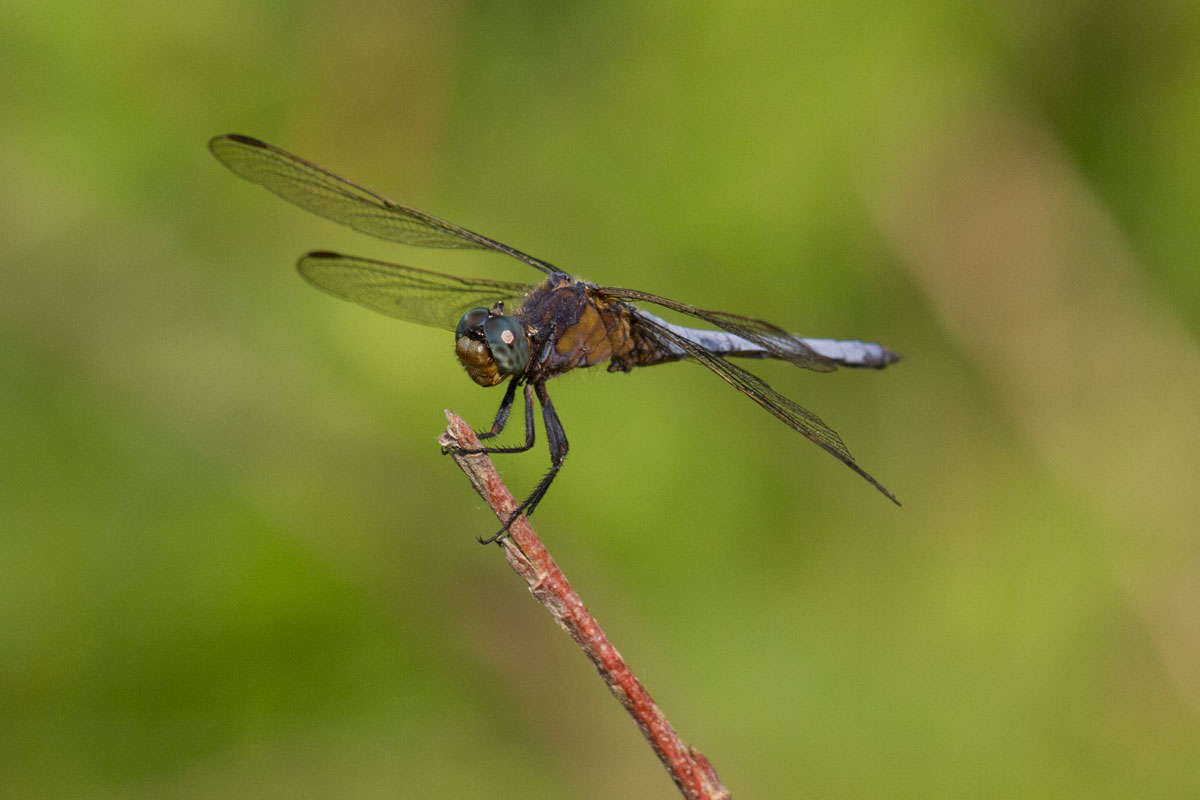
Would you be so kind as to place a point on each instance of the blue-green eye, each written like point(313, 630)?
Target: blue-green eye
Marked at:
point(472, 319)
point(507, 341)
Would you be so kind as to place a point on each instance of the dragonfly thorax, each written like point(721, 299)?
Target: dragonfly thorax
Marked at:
point(491, 346)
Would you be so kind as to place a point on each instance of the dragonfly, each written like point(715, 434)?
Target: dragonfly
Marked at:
point(526, 334)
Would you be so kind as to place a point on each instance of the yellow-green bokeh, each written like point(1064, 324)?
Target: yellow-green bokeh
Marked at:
point(234, 564)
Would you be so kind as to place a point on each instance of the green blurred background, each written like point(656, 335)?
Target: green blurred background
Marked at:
point(234, 564)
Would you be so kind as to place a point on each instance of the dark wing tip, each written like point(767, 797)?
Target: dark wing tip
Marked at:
point(871, 480)
point(239, 138)
point(852, 464)
point(216, 142)
point(310, 259)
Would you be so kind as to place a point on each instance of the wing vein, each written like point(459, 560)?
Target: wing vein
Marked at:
point(788, 411)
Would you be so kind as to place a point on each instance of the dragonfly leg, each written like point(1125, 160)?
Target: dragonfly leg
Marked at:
point(557, 438)
point(502, 417)
point(501, 413)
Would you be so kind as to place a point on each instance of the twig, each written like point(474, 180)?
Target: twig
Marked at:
point(688, 767)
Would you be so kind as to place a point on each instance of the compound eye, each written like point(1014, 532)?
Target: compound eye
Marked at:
point(508, 343)
point(473, 319)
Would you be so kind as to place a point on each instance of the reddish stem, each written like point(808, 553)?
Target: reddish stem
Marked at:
point(688, 767)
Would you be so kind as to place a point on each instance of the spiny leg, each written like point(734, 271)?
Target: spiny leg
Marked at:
point(502, 417)
point(501, 413)
point(557, 439)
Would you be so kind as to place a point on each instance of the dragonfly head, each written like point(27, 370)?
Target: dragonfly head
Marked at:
point(491, 345)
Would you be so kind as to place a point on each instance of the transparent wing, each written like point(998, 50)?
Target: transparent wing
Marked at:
point(407, 293)
point(318, 190)
point(774, 339)
point(793, 414)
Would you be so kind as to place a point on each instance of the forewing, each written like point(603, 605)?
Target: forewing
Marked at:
point(408, 293)
point(774, 339)
point(318, 190)
point(792, 413)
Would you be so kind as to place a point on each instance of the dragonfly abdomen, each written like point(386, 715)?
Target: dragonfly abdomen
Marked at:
point(846, 352)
